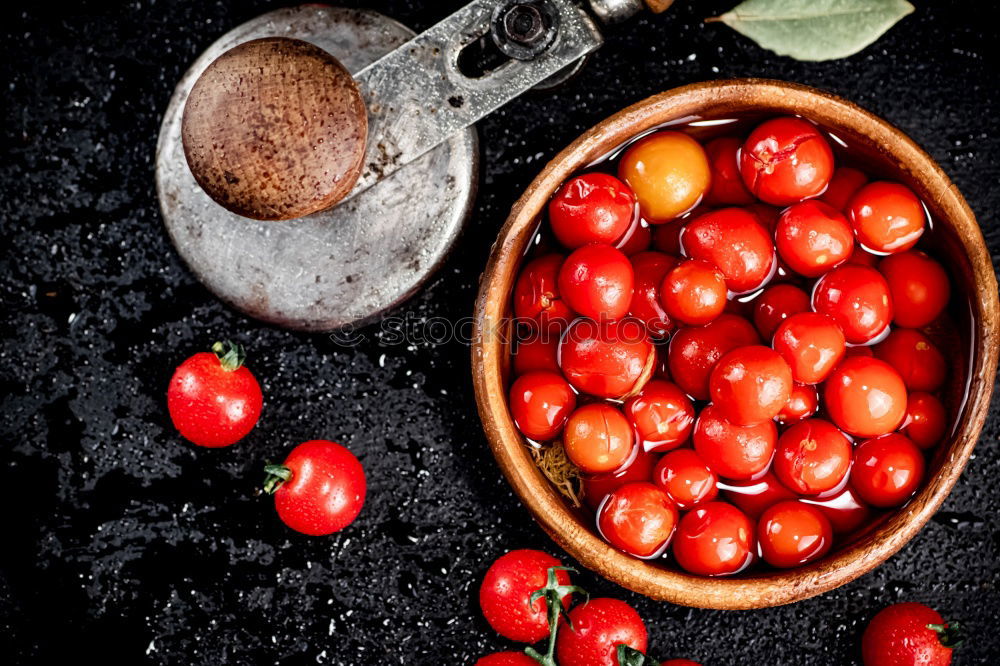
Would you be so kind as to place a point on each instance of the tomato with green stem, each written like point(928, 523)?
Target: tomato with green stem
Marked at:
point(909, 633)
point(505, 594)
point(595, 631)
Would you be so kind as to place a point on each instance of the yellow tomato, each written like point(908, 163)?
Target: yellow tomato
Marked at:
point(669, 173)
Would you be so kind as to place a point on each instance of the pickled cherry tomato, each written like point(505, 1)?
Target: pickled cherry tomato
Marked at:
point(686, 479)
point(597, 487)
point(752, 497)
point(536, 295)
point(636, 239)
point(693, 292)
point(857, 298)
point(812, 457)
point(649, 269)
point(750, 385)
point(845, 182)
point(733, 240)
point(540, 403)
point(714, 539)
point(845, 510)
point(859, 351)
point(917, 360)
point(733, 451)
point(766, 215)
point(537, 352)
point(786, 160)
point(863, 257)
point(812, 345)
point(667, 238)
point(802, 403)
point(662, 415)
point(926, 420)
point(887, 470)
point(775, 304)
point(598, 438)
point(887, 217)
point(919, 286)
point(865, 397)
point(669, 173)
point(694, 352)
point(638, 518)
point(597, 281)
point(610, 360)
point(812, 237)
point(727, 185)
point(791, 533)
point(591, 208)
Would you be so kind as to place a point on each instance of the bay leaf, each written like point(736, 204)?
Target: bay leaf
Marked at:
point(815, 29)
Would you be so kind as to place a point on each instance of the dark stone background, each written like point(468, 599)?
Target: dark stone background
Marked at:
point(120, 540)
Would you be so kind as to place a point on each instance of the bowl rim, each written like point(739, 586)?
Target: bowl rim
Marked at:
point(549, 508)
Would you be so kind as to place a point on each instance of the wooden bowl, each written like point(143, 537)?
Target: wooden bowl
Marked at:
point(960, 243)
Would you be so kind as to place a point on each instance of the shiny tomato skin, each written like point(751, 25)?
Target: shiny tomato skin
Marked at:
point(612, 360)
point(537, 300)
point(540, 403)
point(598, 627)
point(863, 257)
point(727, 184)
point(649, 269)
point(812, 344)
point(686, 478)
point(750, 385)
point(210, 405)
point(845, 510)
point(598, 486)
point(714, 539)
point(638, 238)
point(662, 415)
point(753, 497)
point(812, 457)
point(326, 490)
point(537, 352)
point(733, 240)
point(591, 208)
point(669, 173)
point(597, 281)
point(506, 659)
point(858, 300)
point(693, 292)
point(926, 420)
point(887, 470)
point(505, 594)
point(639, 519)
point(598, 438)
point(732, 451)
point(844, 183)
point(802, 403)
point(865, 397)
point(812, 237)
point(919, 286)
point(786, 160)
point(886, 217)
point(694, 352)
point(917, 360)
point(776, 304)
point(899, 635)
point(792, 533)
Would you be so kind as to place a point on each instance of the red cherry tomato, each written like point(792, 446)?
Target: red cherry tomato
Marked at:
point(597, 281)
point(865, 397)
point(611, 360)
point(505, 595)
point(662, 415)
point(598, 628)
point(649, 269)
point(686, 479)
point(812, 457)
point(540, 403)
point(694, 352)
point(638, 238)
point(775, 304)
point(766, 215)
point(598, 438)
point(812, 344)
point(867, 352)
point(597, 487)
point(669, 173)
point(752, 497)
point(537, 352)
point(638, 518)
point(907, 634)
point(506, 659)
point(887, 217)
point(845, 182)
point(536, 295)
point(727, 185)
point(812, 237)
point(322, 487)
point(857, 298)
point(791, 533)
point(733, 240)
point(845, 510)
point(802, 403)
point(887, 470)
point(750, 384)
point(591, 208)
point(862, 257)
point(213, 399)
point(667, 238)
point(917, 360)
point(693, 292)
point(919, 287)
point(714, 539)
point(926, 420)
point(786, 160)
point(733, 451)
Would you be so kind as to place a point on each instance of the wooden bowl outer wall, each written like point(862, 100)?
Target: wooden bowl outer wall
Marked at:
point(717, 99)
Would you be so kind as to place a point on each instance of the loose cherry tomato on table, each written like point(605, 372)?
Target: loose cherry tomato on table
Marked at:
point(537, 300)
point(594, 631)
point(887, 217)
point(506, 659)
point(791, 533)
point(727, 185)
point(714, 539)
point(919, 287)
point(812, 344)
point(733, 240)
point(786, 160)
point(752, 497)
point(906, 634)
point(638, 518)
point(917, 360)
point(591, 208)
point(598, 438)
point(597, 281)
point(812, 237)
point(505, 595)
point(693, 292)
point(610, 360)
point(540, 403)
point(926, 419)
point(858, 300)
point(776, 304)
point(319, 489)
point(597, 487)
point(802, 403)
point(865, 397)
point(213, 399)
point(686, 478)
point(733, 451)
point(662, 414)
point(750, 385)
point(887, 470)
point(669, 173)
point(649, 269)
point(694, 352)
point(844, 183)
point(812, 457)
point(537, 351)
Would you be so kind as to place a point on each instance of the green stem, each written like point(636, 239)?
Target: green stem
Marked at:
point(231, 354)
point(276, 475)
point(553, 593)
point(950, 634)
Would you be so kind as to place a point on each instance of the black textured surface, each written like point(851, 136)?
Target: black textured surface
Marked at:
point(121, 540)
